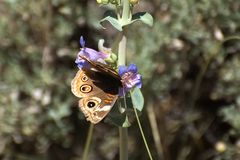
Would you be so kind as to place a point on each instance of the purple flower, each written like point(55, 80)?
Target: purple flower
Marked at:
point(130, 78)
point(89, 53)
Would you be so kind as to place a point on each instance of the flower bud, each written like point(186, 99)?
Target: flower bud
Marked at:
point(111, 59)
point(220, 146)
point(114, 2)
point(103, 1)
point(133, 2)
point(114, 57)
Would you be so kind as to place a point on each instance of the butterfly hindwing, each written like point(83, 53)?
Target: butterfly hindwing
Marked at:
point(97, 107)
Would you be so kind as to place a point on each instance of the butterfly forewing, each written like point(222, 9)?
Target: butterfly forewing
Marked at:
point(82, 85)
point(103, 68)
point(98, 90)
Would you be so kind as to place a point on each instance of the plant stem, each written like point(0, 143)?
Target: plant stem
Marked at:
point(156, 134)
point(198, 83)
point(122, 49)
point(123, 137)
point(88, 142)
point(126, 10)
point(142, 133)
point(200, 76)
point(123, 132)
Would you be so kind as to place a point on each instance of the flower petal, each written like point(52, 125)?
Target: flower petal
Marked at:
point(81, 63)
point(82, 42)
point(122, 70)
point(95, 55)
point(83, 53)
point(132, 68)
point(91, 54)
point(138, 81)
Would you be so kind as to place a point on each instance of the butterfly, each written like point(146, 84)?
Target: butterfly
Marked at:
point(98, 88)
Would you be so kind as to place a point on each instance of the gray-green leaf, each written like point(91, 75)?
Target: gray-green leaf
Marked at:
point(113, 21)
point(144, 17)
point(137, 99)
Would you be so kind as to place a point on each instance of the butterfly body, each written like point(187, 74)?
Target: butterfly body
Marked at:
point(98, 88)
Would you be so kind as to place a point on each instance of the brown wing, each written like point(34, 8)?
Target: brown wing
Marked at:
point(96, 107)
point(82, 85)
point(103, 68)
point(99, 92)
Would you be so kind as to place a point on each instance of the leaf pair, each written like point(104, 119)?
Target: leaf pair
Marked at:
point(111, 17)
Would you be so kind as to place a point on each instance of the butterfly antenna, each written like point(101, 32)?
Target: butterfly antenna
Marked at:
point(86, 59)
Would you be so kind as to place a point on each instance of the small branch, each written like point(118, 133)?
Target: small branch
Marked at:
point(201, 75)
point(88, 142)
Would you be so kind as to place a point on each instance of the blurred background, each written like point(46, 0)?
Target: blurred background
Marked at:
point(191, 74)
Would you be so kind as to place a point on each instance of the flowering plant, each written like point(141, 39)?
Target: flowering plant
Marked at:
point(130, 77)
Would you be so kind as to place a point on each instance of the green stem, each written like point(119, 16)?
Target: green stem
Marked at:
point(123, 137)
point(231, 38)
point(88, 142)
point(122, 49)
point(126, 10)
point(123, 132)
point(142, 133)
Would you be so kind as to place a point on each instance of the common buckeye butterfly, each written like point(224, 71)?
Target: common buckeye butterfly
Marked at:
point(98, 88)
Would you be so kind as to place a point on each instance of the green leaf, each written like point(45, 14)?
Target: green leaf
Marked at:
point(120, 115)
point(144, 17)
point(113, 21)
point(137, 99)
point(120, 120)
point(111, 17)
